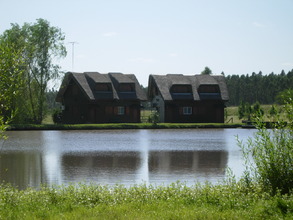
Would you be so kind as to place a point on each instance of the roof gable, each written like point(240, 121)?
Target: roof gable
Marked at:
point(164, 83)
point(88, 83)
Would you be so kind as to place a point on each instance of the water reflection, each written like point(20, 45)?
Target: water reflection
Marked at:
point(22, 169)
point(102, 168)
point(32, 158)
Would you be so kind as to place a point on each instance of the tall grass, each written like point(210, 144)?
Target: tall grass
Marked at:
point(175, 201)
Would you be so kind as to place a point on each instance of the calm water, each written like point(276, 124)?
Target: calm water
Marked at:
point(32, 158)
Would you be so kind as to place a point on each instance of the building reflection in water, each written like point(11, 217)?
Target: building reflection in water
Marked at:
point(153, 167)
point(48, 160)
point(101, 167)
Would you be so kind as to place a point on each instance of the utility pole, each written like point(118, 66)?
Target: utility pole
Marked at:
point(73, 43)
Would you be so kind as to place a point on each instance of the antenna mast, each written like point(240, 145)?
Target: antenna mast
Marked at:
point(73, 43)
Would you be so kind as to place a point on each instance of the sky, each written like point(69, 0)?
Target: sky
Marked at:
point(144, 37)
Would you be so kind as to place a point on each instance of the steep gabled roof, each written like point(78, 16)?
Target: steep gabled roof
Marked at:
point(87, 83)
point(165, 82)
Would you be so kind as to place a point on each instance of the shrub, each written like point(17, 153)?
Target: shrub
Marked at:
point(57, 116)
point(154, 117)
point(269, 156)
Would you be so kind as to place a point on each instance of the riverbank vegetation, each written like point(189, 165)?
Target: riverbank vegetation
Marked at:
point(120, 126)
point(230, 200)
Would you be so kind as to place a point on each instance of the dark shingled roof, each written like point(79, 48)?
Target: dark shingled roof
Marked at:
point(88, 80)
point(165, 82)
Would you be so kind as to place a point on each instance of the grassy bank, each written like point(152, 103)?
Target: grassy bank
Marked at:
point(176, 201)
point(121, 126)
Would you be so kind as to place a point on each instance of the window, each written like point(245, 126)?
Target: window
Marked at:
point(126, 87)
point(209, 89)
point(121, 110)
point(187, 110)
point(103, 87)
point(185, 89)
point(209, 92)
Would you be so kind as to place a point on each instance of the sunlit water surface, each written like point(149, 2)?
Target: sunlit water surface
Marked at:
point(33, 158)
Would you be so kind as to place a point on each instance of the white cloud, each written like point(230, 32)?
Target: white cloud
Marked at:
point(142, 60)
point(110, 34)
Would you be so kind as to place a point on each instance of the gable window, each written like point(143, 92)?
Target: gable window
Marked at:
point(187, 110)
point(103, 87)
point(126, 87)
point(181, 89)
point(209, 92)
point(121, 110)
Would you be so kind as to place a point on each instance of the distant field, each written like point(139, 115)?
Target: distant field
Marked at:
point(232, 113)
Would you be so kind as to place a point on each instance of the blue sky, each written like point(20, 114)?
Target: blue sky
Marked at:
point(160, 37)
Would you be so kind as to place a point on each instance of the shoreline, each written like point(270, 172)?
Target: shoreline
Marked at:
point(19, 127)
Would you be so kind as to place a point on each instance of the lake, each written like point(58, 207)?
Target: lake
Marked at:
point(163, 156)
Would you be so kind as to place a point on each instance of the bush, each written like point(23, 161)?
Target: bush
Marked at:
point(269, 156)
point(57, 116)
point(154, 117)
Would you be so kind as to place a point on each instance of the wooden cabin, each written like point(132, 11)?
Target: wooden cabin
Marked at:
point(194, 98)
point(92, 97)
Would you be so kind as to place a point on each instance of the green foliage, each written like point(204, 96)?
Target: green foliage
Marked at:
point(11, 80)
point(30, 65)
point(257, 87)
point(206, 71)
point(3, 128)
point(245, 110)
point(120, 126)
point(57, 116)
point(154, 117)
point(269, 155)
point(175, 201)
point(273, 111)
point(284, 96)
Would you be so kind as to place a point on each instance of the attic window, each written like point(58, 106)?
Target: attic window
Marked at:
point(103, 87)
point(209, 89)
point(181, 89)
point(126, 87)
point(209, 92)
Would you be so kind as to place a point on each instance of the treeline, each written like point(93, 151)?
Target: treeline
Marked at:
point(257, 87)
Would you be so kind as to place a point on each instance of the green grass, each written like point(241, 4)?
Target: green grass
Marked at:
point(48, 119)
point(175, 201)
point(120, 126)
point(232, 113)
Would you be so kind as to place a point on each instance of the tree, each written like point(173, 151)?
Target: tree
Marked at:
point(11, 80)
point(257, 111)
point(258, 87)
point(39, 44)
point(244, 111)
point(273, 111)
point(284, 96)
point(206, 71)
point(44, 44)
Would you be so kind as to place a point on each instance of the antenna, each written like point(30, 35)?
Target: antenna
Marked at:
point(73, 43)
